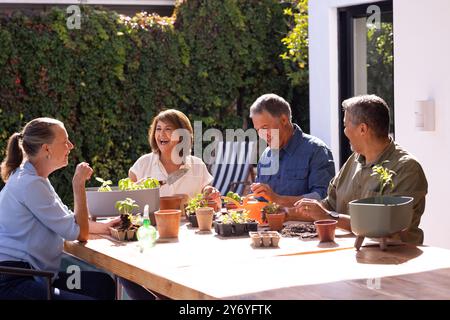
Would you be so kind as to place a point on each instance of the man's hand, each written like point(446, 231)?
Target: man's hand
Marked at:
point(311, 209)
point(263, 190)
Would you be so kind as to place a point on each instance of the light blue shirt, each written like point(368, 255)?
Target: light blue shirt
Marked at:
point(33, 221)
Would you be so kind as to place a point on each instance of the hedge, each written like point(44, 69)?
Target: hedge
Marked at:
point(108, 79)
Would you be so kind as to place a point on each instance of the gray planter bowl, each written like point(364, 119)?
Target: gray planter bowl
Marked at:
point(102, 204)
point(370, 218)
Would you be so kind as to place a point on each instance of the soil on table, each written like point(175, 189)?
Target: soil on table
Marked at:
point(302, 230)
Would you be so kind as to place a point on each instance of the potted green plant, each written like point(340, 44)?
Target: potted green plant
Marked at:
point(105, 187)
point(274, 215)
point(127, 229)
point(102, 200)
point(235, 223)
point(229, 205)
point(383, 215)
point(193, 204)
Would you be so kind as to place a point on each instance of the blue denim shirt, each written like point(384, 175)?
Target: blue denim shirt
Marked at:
point(33, 221)
point(305, 168)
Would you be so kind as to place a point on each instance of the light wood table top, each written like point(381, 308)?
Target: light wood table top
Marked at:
point(206, 266)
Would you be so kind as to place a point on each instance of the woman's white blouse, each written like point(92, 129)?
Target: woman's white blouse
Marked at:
point(192, 183)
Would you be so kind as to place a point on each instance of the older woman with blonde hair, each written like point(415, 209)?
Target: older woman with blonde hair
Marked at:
point(34, 222)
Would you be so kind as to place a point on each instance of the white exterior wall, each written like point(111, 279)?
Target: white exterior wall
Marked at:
point(421, 71)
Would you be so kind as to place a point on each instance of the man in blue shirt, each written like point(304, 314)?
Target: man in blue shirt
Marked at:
point(294, 165)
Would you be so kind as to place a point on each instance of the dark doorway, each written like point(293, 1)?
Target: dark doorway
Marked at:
point(366, 58)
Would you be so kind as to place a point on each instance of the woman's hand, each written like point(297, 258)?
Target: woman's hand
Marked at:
point(211, 193)
point(311, 209)
point(103, 227)
point(83, 172)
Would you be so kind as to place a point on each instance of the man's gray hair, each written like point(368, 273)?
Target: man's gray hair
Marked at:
point(371, 110)
point(273, 104)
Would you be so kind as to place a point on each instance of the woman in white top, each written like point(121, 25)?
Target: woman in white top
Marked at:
point(170, 137)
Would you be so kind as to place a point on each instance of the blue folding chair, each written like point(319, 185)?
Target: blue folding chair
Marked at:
point(233, 165)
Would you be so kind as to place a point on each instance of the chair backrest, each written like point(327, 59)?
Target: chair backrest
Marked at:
point(232, 163)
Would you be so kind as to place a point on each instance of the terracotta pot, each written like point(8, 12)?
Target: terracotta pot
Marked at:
point(326, 229)
point(204, 218)
point(168, 223)
point(171, 202)
point(276, 220)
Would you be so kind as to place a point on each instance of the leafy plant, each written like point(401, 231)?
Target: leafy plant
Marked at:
point(297, 42)
point(105, 185)
point(271, 208)
point(235, 216)
point(126, 184)
point(384, 176)
point(150, 183)
point(125, 207)
point(118, 70)
point(234, 196)
point(193, 204)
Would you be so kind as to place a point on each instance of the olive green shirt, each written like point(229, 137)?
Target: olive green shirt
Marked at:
point(354, 181)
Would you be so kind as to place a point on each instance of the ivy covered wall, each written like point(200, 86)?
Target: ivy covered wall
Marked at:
point(108, 79)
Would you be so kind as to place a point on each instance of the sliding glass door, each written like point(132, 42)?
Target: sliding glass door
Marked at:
point(366, 58)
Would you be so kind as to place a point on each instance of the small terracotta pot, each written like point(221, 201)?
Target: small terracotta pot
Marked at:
point(275, 221)
point(326, 229)
point(168, 223)
point(204, 218)
point(171, 202)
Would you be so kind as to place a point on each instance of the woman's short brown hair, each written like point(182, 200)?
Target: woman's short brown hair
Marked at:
point(174, 117)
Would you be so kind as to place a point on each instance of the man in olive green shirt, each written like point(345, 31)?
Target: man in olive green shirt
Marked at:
point(366, 122)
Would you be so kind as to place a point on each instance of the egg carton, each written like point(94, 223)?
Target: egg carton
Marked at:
point(265, 238)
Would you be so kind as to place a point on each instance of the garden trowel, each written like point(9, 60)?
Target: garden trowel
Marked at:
point(174, 176)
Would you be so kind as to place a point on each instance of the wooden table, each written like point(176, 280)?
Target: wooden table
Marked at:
point(205, 266)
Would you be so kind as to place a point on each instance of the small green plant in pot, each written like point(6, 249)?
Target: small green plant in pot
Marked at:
point(101, 200)
point(235, 223)
point(383, 215)
point(274, 215)
point(105, 187)
point(384, 177)
point(127, 227)
point(127, 185)
point(193, 204)
point(233, 196)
